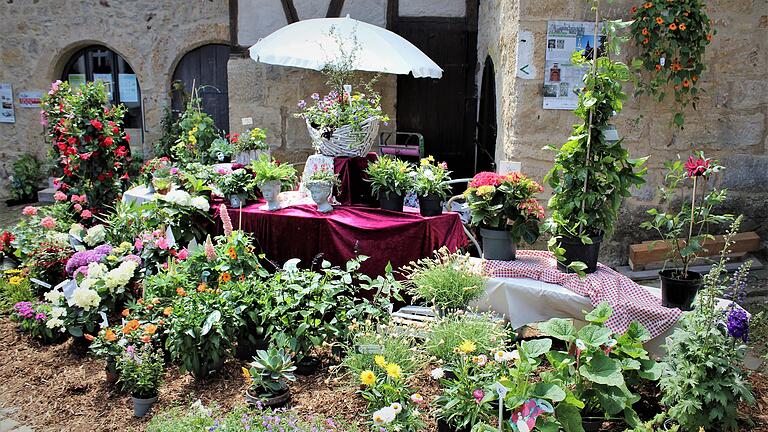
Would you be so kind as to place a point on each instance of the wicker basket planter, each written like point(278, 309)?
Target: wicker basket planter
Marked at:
point(345, 140)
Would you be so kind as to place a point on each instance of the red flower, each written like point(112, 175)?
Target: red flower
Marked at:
point(115, 130)
point(88, 138)
point(108, 142)
point(111, 123)
point(121, 151)
point(101, 177)
point(486, 178)
point(97, 124)
point(696, 167)
point(127, 137)
point(72, 140)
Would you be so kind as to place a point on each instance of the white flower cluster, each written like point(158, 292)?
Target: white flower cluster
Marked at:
point(95, 235)
point(119, 277)
point(387, 414)
point(85, 298)
point(184, 199)
point(506, 356)
point(56, 314)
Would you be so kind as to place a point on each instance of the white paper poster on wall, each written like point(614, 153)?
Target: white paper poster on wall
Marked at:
point(6, 104)
point(561, 77)
point(129, 88)
point(525, 67)
point(30, 99)
point(107, 80)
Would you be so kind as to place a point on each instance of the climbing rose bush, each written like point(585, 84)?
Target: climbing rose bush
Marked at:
point(88, 140)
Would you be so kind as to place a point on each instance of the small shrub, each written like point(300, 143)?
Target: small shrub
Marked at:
point(26, 177)
point(395, 348)
point(483, 330)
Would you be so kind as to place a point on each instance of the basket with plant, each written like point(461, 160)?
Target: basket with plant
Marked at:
point(268, 376)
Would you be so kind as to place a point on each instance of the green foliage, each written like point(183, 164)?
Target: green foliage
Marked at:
point(703, 382)
point(252, 139)
point(267, 169)
point(270, 372)
point(457, 404)
point(123, 221)
point(235, 259)
point(141, 371)
point(220, 150)
point(197, 133)
point(430, 179)
point(237, 182)
point(171, 131)
point(26, 177)
point(390, 176)
point(14, 287)
point(446, 281)
point(445, 336)
point(324, 174)
point(687, 229)
point(394, 347)
point(29, 232)
point(164, 283)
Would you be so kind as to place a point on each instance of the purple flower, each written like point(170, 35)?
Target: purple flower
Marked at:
point(83, 258)
point(40, 316)
point(302, 104)
point(478, 395)
point(738, 323)
point(104, 249)
point(315, 96)
point(132, 257)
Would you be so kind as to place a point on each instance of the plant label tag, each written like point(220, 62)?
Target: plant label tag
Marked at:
point(500, 389)
point(370, 349)
point(247, 121)
point(662, 61)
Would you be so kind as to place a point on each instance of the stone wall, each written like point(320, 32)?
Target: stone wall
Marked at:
point(151, 35)
point(729, 124)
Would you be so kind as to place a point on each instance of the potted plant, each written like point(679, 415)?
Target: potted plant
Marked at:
point(141, 371)
point(320, 184)
point(592, 172)
point(250, 145)
point(33, 317)
point(269, 375)
point(447, 281)
point(105, 346)
point(686, 231)
point(271, 178)
point(390, 179)
point(236, 186)
point(466, 397)
point(161, 180)
point(146, 174)
point(221, 150)
point(505, 209)
point(430, 184)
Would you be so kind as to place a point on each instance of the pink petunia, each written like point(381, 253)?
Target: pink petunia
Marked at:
point(162, 243)
point(60, 196)
point(29, 211)
point(138, 244)
point(48, 222)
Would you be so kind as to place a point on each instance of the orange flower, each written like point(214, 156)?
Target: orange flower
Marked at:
point(648, 5)
point(659, 20)
point(155, 300)
point(180, 291)
point(645, 41)
point(232, 252)
point(225, 277)
point(140, 301)
point(709, 37)
point(150, 307)
point(686, 83)
point(89, 338)
point(201, 287)
point(110, 336)
point(645, 32)
point(658, 68)
point(677, 88)
point(633, 9)
point(168, 311)
point(242, 277)
point(161, 322)
point(694, 78)
point(673, 26)
point(146, 339)
point(130, 326)
point(682, 27)
point(125, 312)
point(150, 329)
point(676, 66)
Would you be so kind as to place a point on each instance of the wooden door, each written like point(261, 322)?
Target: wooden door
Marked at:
point(485, 159)
point(206, 67)
point(443, 110)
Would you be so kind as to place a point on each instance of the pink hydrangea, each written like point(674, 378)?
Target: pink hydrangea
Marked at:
point(48, 222)
point(86, 214)
point(138, 244)
point(60, 196)
point(29, 211)
point(78, 207)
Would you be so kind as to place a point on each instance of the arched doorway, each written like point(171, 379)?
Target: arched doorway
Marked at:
point(99, 63)
point(205, 68)
point(485, 154)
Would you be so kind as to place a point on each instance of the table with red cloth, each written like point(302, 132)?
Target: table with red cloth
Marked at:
point(384, 236)
point(353, 189)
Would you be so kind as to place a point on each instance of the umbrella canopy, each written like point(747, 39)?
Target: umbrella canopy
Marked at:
point(314, 43)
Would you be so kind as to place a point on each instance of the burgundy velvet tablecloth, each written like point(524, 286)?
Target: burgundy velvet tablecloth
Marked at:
point(384, 236)
point(353, 188)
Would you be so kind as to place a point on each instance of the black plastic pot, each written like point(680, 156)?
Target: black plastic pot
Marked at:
point(307, 366)
point(679, 292)
point(276, 401)
point(443, 426)
point(390, 201)
point(497, 245)
point(575, 250)
point(430, 205)
point(591, 424)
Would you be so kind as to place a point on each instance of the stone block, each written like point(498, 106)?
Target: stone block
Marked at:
point(7, 425)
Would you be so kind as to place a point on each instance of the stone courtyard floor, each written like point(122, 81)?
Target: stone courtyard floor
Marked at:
point(7, 424)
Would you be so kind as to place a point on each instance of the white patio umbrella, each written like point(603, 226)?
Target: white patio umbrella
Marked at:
point(313, 43)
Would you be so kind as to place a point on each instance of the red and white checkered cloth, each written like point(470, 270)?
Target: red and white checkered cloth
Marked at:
point(630, 301)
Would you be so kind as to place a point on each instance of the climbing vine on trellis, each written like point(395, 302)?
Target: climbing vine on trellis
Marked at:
point(672, 36)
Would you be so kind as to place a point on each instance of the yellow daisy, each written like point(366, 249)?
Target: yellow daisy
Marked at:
point(380, 362)
point(467, 346)
point(368, 378)
point(394, 370)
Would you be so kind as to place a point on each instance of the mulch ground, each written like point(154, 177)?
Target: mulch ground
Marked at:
point(60, 388)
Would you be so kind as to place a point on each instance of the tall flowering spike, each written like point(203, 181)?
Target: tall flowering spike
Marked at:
point(226, 222)
point(210, 252)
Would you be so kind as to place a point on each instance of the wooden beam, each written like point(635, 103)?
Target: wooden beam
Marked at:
point(393, 10)
point(653, 252)
point(290, 11)
point(233, 10)
point(334, 9)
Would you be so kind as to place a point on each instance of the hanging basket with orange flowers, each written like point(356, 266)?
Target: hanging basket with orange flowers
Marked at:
point(672, 37)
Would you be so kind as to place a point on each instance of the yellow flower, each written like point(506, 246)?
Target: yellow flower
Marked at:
point(15, 280)
point(368, 378)
point(467, 346)
point(380, 362)
point(247, 375)
point(111, 258)
point(486, 190)
point(393, 370)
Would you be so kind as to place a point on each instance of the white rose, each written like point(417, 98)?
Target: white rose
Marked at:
point(200, 203)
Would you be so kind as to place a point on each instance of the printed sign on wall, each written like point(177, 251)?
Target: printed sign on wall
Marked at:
point(562, 78)
point(6, 104)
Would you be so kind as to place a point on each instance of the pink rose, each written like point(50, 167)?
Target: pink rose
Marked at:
point(60, 196)
point(78, 207)
point(48, 222)
point(29, 211)
point(86, 214)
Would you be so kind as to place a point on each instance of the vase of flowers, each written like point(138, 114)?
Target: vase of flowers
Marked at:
point(342, 125)
point(320, 185)
point(272, 177)
point(250, 145)
point(236, 186)
point(268, 378)
point(686, 230)
point(430, 184)
point(505, 209)
point(141, 371)
point(390, 179)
